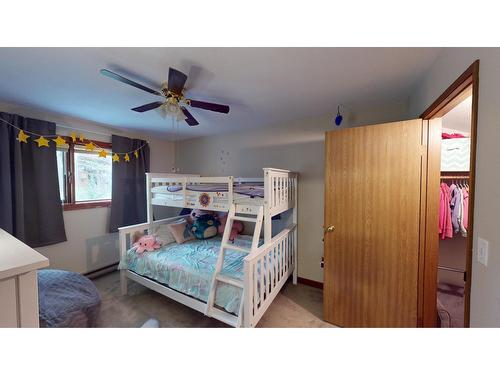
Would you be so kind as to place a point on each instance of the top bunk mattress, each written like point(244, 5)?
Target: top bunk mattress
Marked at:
point(253, 190)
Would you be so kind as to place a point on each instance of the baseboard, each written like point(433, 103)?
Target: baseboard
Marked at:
point(101, 271)
point(315, 284)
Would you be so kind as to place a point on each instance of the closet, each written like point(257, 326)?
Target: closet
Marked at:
point(453, 213)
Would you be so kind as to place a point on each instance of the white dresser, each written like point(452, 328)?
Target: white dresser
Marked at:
point(18, 282)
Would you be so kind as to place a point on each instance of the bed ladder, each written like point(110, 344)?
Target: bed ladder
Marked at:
point(254, 214)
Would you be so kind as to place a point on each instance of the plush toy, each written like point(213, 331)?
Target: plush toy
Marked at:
point(205, 226)
point(146, 243)
point(196, 213)
point(236, 229)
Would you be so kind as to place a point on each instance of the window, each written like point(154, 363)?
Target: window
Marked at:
point(84, 177)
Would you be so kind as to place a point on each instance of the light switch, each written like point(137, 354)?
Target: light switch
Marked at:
point(482, 251)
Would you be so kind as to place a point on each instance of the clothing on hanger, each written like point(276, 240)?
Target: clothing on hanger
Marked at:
point(456, 207)
point(445, 225)
point(465, 200)
point(453, 209)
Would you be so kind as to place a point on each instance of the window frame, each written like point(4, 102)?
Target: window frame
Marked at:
point(69, 182)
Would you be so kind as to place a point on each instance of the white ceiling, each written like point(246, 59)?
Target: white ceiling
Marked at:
point(459, 118)
point(262, 86)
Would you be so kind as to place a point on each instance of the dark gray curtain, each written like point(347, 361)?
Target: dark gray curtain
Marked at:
point(128, 197)
point(30, 205)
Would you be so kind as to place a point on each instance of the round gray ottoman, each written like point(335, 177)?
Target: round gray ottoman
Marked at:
point(67, 299)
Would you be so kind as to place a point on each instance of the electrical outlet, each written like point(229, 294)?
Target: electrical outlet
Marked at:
point(482, 251)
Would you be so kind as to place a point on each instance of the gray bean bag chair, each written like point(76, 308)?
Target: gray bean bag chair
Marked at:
point(67, 299)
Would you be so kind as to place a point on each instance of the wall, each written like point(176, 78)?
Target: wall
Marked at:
point(90, 246)
point(485, 294)
point(298, 146)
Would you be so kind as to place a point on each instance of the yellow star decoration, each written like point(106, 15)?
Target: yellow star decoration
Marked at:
point(81, 137)
point(59, 141)
point(22, 137)
point(116, 157)
point(89, 146)
point(103, 153)
point(127, 158)
point(42, 142)
point(73, 136)
point(136, 153)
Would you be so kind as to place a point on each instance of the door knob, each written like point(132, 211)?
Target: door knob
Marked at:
point(329, 229)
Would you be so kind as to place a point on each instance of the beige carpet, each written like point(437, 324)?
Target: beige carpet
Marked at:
point(295, 306)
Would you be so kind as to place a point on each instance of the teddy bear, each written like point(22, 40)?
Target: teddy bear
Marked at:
point(146, 243)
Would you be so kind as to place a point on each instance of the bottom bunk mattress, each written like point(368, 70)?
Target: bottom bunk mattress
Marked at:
point(188, 268)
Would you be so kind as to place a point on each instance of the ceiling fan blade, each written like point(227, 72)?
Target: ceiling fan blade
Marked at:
point(191, 121)
point(147, 107)
point(209, 106)
point(110, 74)
point(176, 80)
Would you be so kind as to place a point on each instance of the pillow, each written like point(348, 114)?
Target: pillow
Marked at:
point(181, 231)
point(163, 234)
point(205, 226)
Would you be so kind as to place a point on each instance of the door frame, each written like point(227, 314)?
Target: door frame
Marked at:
point(428, 284)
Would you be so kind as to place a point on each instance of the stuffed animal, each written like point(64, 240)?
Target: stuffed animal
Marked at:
point(236, 228)
point(146, 243)
point(205, 226)
point(196, 213)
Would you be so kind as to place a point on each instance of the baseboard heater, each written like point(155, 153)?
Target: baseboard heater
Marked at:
point(101, 271)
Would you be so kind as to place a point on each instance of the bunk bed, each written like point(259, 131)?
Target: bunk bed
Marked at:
point(234, 282)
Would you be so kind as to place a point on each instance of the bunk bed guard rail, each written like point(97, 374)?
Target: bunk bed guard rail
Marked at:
point(265, 272)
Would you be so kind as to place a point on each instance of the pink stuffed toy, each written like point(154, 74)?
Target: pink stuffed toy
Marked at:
point(236, 229)
point(146, 243)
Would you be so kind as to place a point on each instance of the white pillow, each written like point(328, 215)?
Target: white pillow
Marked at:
point(163, 234)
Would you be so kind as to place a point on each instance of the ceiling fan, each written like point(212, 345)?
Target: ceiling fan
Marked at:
point(172, 91)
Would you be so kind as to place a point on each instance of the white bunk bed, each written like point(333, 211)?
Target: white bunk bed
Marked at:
point(266, 267)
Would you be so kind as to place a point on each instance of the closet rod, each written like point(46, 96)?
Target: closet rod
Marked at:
point(454, 177)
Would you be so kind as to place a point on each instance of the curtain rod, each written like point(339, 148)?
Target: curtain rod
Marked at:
point(82, 130)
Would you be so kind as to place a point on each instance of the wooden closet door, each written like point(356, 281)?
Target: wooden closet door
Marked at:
point(372, 197)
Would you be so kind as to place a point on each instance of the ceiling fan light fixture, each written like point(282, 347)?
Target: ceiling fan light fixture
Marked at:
point(181, 116)
point(171, 108)
point(173, 93)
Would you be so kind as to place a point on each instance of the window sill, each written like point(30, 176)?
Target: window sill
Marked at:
point(85, 205)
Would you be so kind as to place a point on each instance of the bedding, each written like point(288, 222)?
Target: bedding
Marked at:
point(253, 190)
point(188, 268)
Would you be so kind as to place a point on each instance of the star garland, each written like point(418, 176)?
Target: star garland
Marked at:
point(60, 141)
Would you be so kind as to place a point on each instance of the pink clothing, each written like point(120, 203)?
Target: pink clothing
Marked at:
point(465, 214)
point(453, 135)
point(445, 227)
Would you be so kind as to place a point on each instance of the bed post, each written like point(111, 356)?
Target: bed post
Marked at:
point(247, 294)
point(295, 221)
point(267, 215)
point(123, 252)
point(148, 195)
